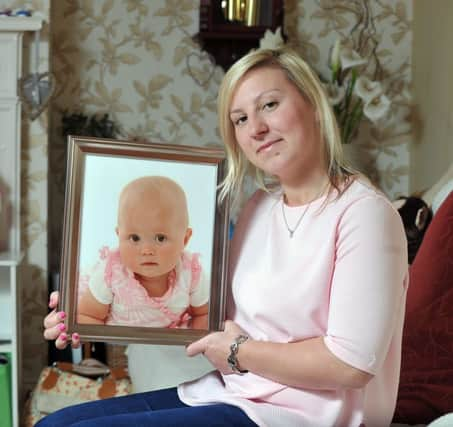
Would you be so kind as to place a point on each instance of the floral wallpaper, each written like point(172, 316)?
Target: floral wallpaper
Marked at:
point(137, 61)
point(313, 26)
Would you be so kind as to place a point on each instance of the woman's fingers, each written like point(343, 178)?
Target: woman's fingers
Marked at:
point(61, 337)
point(52, 331)
point(53, 318)
point(53, 299)
point(55, 329)
point(75, 340)
point(62, 341)
point(196, 347)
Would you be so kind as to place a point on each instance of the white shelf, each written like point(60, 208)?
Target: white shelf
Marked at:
point(10, 259)
point(19, 24)
point(5, 346)
point(11, 35)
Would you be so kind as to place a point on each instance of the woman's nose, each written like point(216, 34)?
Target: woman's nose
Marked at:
point(257, 126)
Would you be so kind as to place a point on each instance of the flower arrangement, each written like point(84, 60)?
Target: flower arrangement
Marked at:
point(353, 96)
point(351, 93)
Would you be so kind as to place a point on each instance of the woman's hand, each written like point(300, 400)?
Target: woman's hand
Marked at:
point(55, 329)
point(216, 346)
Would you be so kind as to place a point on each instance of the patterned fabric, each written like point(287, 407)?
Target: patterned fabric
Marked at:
point(58, 389)
point(113, 284)
point(426, 385)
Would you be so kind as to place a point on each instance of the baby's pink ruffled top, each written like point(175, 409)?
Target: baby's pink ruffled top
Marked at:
point(110, 282)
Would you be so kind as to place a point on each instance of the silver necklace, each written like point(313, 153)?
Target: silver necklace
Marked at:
point(292, 230)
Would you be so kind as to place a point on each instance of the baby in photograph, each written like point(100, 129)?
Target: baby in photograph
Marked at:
point(150, 279)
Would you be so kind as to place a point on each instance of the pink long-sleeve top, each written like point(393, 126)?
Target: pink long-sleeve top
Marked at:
point(342, 276)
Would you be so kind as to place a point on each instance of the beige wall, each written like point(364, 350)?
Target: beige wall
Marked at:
point(432, 150)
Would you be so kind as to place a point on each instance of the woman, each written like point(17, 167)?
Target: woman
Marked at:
point(318, 274)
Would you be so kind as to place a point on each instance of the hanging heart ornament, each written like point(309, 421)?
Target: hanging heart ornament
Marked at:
point(35, 91)
point(201, 67)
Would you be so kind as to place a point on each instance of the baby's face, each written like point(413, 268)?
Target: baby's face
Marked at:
point(151, 240)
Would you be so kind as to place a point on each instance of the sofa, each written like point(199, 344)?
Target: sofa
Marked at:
point(426, 382)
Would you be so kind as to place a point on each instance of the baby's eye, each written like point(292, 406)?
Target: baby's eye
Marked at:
point(160, 238)
point(134, 238)
point(270, 105)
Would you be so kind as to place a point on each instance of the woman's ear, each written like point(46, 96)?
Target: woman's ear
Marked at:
point(117, 231)
point(187, 236)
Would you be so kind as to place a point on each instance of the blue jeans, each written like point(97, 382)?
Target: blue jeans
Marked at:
point(160, 408)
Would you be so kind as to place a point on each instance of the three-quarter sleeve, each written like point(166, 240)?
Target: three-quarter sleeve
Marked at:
point(368, 284)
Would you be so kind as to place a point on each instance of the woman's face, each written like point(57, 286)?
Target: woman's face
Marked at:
point(151, 239)
point(275, 126)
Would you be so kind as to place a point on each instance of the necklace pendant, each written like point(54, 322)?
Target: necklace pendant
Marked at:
point(291, 232)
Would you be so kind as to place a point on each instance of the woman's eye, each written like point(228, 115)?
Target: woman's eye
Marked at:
point(134, 238)
point(240, 120)
point(270, 105)
point(161, 238)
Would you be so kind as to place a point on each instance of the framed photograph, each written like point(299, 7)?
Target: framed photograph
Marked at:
point(145, 241)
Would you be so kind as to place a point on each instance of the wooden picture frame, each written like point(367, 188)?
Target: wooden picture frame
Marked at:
point(97, 171)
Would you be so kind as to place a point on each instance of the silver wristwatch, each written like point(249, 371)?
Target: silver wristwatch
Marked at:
point(232, 359)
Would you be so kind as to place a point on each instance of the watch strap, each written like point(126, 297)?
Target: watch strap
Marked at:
point(232, 358)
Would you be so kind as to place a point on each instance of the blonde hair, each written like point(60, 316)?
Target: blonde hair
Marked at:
point(307, 82)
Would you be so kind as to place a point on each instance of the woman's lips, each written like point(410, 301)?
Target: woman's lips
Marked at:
point(266, 145)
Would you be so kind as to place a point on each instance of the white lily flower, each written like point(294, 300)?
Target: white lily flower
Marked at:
point(335, 62)
point(367, 89)
point(376, 108)
point(272, 40)
point(350, 58)
point(335, 93)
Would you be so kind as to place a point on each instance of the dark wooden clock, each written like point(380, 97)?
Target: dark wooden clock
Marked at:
point(230, 28)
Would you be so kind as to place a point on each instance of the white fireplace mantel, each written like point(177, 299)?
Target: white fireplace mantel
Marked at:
point(20, 24)
point(11, 34)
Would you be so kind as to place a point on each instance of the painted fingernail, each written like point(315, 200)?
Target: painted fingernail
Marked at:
point(62, 327)
point(75, 336)
point(63, 337)
point(61, 315)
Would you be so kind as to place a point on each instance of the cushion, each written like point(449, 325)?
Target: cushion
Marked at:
point(153, 367)
point(426, 384)
point(441, 195)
